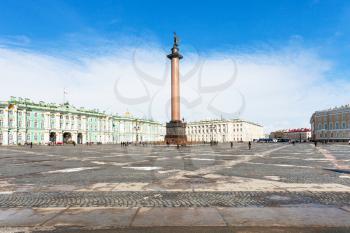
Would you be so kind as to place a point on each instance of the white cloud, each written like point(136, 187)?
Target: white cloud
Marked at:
point(278, 89)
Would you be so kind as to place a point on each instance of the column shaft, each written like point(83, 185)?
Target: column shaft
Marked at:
point(175, 90)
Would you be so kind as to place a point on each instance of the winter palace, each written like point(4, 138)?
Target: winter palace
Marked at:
point(23, 121)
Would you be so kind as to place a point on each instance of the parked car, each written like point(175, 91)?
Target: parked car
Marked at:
point(282, 140)
point(265, 140)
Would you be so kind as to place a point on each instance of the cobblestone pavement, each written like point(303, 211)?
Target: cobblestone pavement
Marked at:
point(172, 199)
point(109, 175)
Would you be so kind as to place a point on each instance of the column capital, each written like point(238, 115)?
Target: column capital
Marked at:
point(175, 53)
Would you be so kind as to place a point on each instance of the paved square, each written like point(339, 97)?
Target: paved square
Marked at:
point(159, 176)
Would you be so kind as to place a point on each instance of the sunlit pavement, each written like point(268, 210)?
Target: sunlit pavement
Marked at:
point(153, 188)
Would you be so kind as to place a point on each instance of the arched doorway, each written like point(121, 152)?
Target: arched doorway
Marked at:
point(53, 137)
point(80, 138)
point(67, 137)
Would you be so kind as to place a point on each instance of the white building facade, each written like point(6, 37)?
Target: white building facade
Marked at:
point(23, 121)
point(235, 130)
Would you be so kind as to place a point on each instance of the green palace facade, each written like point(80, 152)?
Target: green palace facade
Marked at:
point(24, 121)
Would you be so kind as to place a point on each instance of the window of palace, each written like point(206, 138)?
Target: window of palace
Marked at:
point(336, 125)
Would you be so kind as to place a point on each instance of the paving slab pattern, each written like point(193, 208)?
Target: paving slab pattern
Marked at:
point(147, 186)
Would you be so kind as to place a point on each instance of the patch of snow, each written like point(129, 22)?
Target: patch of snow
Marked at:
point(272, 177)
point(168, 171)
point(6, 192)
point(200, 159)
point(144, 168)
point(68, 170)
point(98, 162)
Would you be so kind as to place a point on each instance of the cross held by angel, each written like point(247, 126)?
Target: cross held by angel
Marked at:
point(176, 39)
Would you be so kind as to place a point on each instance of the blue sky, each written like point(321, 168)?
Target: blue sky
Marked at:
point(210, 25)
point(307, 41)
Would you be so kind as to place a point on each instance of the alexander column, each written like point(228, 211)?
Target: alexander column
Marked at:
point(176, 128)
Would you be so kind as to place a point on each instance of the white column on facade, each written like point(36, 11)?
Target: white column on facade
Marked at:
point(5, 137)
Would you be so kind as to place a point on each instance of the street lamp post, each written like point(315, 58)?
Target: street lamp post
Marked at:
point(212, 126)
point(137, 128)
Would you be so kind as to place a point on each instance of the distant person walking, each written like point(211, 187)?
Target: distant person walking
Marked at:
point(249, 145)
point(231, 145)
point(315, 143)
point(31, 144)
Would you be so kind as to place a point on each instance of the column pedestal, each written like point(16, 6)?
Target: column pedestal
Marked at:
point(176, 133)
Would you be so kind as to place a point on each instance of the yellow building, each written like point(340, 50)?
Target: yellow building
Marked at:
point(331, 125)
